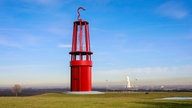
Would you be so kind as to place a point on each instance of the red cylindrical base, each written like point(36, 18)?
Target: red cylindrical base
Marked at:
point(81, 75)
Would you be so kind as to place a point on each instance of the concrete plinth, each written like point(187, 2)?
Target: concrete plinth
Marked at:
point(79, 93)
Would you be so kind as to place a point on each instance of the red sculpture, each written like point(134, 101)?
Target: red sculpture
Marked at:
point(81, 64)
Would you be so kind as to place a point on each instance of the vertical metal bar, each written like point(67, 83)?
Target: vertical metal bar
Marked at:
point(88, 38)
point(73, 41)
point(80, 39)
point(75, 37)
point(86, 41)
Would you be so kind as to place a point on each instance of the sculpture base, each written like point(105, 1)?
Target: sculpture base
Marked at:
point(84, 92)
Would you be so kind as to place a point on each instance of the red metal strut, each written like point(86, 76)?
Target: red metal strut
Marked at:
point(78, 11)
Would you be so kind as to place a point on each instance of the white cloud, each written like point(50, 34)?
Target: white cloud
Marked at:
point(9, 44)
point(173, 10)
point(64, 46)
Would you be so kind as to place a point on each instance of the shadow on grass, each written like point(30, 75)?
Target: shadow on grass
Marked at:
point(167, 104)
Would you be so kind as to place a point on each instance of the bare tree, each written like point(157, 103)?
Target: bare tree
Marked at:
point(16, 89)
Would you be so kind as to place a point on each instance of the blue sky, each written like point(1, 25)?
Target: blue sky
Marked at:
point(148, 40)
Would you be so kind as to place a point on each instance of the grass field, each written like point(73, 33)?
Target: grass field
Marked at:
point(107, 100)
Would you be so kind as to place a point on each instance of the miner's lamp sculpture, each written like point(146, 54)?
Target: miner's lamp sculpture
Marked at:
point(81, 63)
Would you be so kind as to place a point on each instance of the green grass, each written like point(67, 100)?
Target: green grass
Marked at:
point(107, 100)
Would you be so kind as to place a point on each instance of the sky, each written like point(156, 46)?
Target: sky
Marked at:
point(148, 40)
